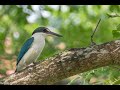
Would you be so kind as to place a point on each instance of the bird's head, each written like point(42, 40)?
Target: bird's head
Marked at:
point(45, 31)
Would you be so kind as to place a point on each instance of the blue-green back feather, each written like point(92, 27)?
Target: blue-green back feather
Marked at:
point(25, 48)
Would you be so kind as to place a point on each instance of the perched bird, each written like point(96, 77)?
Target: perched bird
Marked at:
point(33, 47)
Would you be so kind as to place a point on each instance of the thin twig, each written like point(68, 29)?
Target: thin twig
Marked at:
point(113, 15)
point(92, 42)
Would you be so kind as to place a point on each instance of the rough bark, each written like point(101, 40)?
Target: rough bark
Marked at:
point(67, 63)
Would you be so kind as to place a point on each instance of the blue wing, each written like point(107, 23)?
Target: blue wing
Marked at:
point(25, 48)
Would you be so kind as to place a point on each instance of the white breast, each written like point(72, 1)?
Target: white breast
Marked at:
point(36, 48)
point(39, 42)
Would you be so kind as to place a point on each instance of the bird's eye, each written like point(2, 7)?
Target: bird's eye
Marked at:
point(46, 30)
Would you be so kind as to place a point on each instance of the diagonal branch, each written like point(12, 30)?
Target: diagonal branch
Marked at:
point(92, 42)
point(68, 63)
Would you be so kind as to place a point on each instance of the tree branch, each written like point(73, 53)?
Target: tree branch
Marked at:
point(68, 63)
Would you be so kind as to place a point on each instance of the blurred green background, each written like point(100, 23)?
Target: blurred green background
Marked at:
point(75, 22)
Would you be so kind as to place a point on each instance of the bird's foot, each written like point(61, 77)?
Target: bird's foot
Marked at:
point(34, 63)
point(31, 64)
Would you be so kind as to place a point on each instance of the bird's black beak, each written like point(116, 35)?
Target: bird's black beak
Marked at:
point(52, 33)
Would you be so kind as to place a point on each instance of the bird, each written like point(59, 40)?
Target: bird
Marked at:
point(32, 48)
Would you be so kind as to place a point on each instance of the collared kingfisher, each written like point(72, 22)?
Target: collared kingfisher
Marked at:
point(33, 47)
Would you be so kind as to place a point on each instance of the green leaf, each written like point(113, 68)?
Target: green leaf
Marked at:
point(116, 82)
point(118, 27)
point(116, 33)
